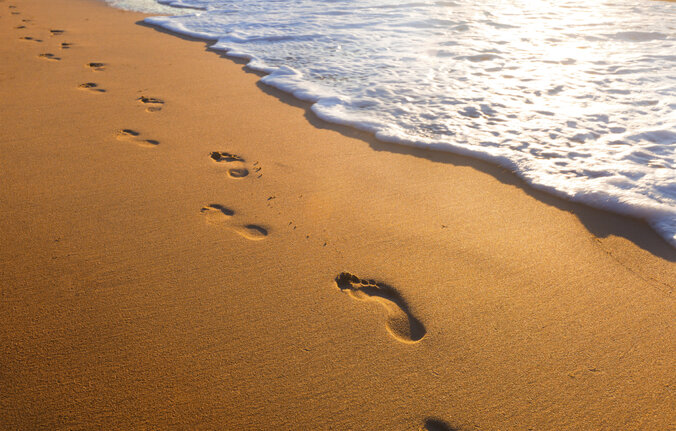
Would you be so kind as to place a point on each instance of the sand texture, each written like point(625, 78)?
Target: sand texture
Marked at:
point(182, 247)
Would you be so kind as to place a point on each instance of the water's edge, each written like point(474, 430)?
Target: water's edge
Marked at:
point(270, 78)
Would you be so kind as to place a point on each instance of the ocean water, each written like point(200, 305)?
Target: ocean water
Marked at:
point(147, 6)
point(577, 97)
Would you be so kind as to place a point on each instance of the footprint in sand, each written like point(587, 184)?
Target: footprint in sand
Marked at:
point(236, 163)
point(96, 66)
point(400, 322)
point(49, 56)
point(219, 215)
point(57, 32)
point(434, 424)
point(134, 136)
point(91, 86)
point(20, 27)
point(153, 104)
point(66, 45)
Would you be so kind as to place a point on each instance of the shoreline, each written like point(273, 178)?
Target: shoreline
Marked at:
point(645, 212)
point(657, 246)
point(146, 282)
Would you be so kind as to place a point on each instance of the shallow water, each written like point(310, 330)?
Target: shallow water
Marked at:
point(576, 97)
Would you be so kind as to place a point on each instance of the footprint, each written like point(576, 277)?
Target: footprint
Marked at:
point(92, 86)
point(57, 32)
point(235, 172)
point(96, 66)
point(433, 424)
point(238, 173)
point(252, 232)
point(49, 56)
point(219, 215)
point(133, 136)
point(154, 105)
point(400, 322)
point(19, 27)
point(30, 38)
point(66, 45)
point(127, 133)
point(221, 156)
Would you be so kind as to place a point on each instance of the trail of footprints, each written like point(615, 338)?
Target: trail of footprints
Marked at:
point(400, 322)
point(153, 104)
point(53, 32)
point(402, 325)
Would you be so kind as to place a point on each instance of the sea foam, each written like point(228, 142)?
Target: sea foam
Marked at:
point(577, 97)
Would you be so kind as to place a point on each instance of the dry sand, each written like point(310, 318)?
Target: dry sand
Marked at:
point(146, 285)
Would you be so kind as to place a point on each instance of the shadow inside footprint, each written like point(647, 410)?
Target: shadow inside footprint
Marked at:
point(433, 424)
point(252, 232)
point(96, 66)
point(216, 213)
point(144, 99)
point(56, 32)
point(238, 173)
point(401, 324)
point(49, 56)
point(66, 45)
point(221, 156)
point(127, 133)
point(221, 215)
point(155, 105)
point(133, 136)
point(93, 86)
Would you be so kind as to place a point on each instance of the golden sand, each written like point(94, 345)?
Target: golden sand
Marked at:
point(182, 247)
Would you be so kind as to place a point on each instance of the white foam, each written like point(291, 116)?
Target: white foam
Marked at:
point(146, 6)
point(577, 97)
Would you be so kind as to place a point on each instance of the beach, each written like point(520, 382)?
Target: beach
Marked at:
point(184, 247)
